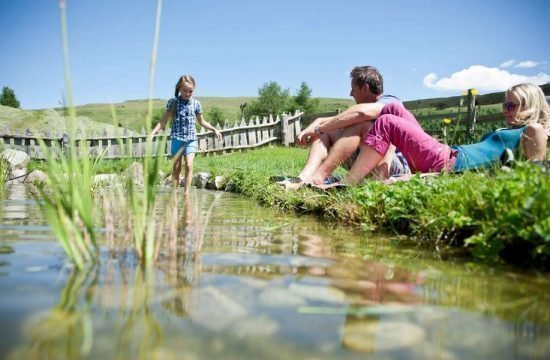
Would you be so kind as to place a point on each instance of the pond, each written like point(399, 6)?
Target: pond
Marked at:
point(253, 282)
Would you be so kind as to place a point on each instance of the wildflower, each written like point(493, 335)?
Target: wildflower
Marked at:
point(472, 90)
point(447, 121)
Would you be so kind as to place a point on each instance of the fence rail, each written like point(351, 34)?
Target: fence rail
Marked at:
point(253, 133)
point(256, 132)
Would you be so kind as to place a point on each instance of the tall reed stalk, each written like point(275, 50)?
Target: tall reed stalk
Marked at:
point(67, 196)
point(4, 175)
point(142, 202)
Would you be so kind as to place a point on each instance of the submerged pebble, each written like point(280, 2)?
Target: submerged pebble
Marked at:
point(378, 335)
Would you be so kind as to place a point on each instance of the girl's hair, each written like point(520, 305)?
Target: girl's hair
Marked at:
point(184, 79)
point(533, 100)
point(368, 75)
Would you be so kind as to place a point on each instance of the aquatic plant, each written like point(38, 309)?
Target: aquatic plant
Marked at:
point(142, 201)
point(4, 175)
point(65, 331)
point(66, 198)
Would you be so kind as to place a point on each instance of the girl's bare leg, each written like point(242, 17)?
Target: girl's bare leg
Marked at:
point(189, 171)
point(176, 169)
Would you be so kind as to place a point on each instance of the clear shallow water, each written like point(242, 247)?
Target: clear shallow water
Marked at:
point(249, 282)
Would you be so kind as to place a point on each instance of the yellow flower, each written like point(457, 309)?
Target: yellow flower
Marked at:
point(447, 121)
point(474, 92)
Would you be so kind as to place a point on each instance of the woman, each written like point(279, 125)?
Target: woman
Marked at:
point(527, 116)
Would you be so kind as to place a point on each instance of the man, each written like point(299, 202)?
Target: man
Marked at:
point(335, 140)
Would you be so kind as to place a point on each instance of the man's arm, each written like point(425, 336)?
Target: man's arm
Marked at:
point(353, 115)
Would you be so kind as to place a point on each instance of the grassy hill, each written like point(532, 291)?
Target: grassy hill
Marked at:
point(129, 114)
point(49, 120)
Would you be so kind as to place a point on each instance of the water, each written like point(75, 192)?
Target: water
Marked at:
point(251, 282)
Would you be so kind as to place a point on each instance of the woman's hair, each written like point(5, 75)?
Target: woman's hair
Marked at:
point(534, 102)
point(184, 79)
point(368, 75)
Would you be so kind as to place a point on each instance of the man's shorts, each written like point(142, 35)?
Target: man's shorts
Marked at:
point(399, 165)
point(188, 147)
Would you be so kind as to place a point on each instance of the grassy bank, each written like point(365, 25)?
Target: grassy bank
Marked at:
point(495, 216)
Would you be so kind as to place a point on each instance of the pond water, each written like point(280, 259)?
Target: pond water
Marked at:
point(252, 282)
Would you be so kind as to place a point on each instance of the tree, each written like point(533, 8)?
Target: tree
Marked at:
point(8, 98)
point(215, 116)
point(272, 99)
point(303, 101)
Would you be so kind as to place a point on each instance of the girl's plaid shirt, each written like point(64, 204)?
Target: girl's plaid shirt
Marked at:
point(183, 126)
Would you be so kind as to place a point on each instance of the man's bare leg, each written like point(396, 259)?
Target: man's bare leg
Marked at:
point(341, 149)
point(317, 154)
point(367, 160)
point(382, 170)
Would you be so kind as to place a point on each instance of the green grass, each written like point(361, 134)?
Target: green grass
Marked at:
point(492, 215)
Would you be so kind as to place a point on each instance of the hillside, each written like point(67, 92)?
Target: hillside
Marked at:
point(129, 114)
point(132, 114)
point(18, 121)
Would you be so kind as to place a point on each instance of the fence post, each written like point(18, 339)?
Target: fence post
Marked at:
point(28, 141)
point(471, 119)
point(284, 129)
point(65, 145)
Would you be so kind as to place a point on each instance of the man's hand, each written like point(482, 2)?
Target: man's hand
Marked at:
point(308, 135)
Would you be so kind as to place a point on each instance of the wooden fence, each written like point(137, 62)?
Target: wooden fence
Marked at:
point(245, 135)
point(470, 109)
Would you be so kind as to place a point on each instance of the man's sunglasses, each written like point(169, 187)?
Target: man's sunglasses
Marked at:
point(509, 106)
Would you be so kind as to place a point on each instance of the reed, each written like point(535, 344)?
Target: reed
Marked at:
point(142, 201)
point(66, 199)
point(4, 175)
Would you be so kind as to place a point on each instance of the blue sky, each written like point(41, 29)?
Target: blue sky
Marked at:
point(424, 48)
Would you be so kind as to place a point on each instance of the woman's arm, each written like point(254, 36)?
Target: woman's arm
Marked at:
point(534, 140)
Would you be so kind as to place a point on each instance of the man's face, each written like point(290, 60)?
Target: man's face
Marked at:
point(361, 94)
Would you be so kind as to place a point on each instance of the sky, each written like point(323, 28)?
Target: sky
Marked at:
point(423, 48)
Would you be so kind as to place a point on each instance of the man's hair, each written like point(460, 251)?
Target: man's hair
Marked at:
point(370, 76)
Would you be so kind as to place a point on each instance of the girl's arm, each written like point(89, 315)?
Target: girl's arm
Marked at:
point(207, 125)
point(168, 114)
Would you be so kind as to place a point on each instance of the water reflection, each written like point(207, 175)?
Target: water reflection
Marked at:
point(66, 330)
point(237, 281)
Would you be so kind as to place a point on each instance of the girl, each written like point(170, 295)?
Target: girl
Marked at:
point(184, 109)
point(527, 116)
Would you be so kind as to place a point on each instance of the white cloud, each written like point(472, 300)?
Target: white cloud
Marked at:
point(508, 63)
point(526, 64)
point(481, 78)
